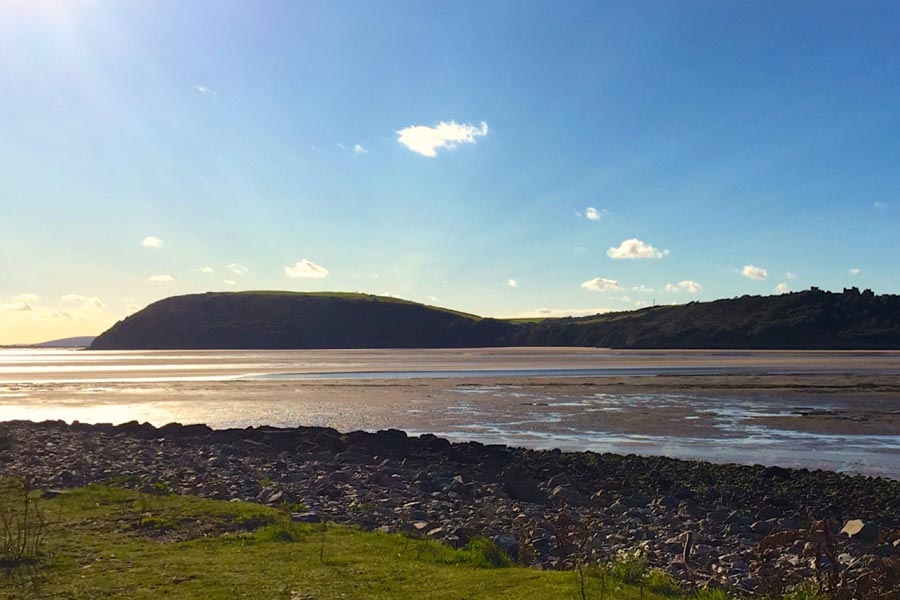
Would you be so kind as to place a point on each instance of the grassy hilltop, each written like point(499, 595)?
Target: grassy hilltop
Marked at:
point(804, 320)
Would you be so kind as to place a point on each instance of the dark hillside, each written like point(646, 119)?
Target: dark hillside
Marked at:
point(804, 320)
point(294, 320)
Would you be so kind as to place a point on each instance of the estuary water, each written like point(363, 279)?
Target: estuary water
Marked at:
point(832, 410)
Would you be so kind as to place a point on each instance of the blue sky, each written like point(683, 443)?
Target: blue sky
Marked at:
point(724, 148)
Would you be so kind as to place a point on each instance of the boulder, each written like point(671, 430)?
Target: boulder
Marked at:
point(525, 490)
point(859, 530)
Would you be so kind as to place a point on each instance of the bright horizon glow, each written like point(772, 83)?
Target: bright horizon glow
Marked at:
point(683, 155)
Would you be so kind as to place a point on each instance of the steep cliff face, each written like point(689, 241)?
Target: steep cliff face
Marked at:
point(804, 320)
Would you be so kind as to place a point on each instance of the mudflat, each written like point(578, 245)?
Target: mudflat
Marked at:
point(833, 410)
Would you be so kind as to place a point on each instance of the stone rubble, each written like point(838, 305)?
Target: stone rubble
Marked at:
point(545, 508)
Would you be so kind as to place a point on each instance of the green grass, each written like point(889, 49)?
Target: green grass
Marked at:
point(107, 542)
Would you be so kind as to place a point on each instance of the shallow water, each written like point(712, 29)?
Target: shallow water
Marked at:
point(836, 410)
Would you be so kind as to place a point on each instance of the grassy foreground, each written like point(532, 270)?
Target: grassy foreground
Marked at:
point(105, 542)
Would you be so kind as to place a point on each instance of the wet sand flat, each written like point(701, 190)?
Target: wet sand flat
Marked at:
point(834, 410)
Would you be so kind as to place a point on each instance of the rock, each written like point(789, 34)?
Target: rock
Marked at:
point(667, 502)
point(688, 510)
point(768, 512)
point(762, 527)
point(525, 491)
point(566, 494)
point(557, 480)
point(859, 530)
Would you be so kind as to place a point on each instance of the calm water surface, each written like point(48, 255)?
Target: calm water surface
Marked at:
point(541, 398)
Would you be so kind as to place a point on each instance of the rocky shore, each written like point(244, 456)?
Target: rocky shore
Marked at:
point(750, 529)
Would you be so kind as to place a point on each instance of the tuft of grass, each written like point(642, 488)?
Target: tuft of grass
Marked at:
point(630, 566)
point(711, 594)
point(484, 554)
point(23, 525)
point(661, 582)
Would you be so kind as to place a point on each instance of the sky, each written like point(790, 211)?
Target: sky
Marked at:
point(500, 158)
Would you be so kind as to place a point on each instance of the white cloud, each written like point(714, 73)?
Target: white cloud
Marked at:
point(426, 141)
point(390, 295)
point(692, 287)
point(579, 250)
point(640, 304)
point(88, 304)
point(854, 272)
point(643, 289)
point(599, 284)
point(152, 242)
point(635, 248)
point(238, 269)
point(754, 272)
point(512, 283)
point(790, 275)
point(358, 149)
point(205, 90)
point(206, 270)
point(229, 282)
point(160, 279)
point(306, 269)
point(880, 205)
point(26, 307)
point(593, 214)
point(432, 298)
point(133, 308)
point(782, 288)
point(17, 306)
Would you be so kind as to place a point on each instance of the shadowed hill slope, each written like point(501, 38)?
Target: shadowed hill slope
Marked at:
point(814, 319)
point(298, 320)
point(805, 320)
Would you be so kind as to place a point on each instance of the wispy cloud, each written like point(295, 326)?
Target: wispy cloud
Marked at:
point(359, 149)
point(691, 287)
point(782, 288)
point(152, 242)
point(306, 269)
point(754, 272)
point(790, 275)
point(643, 289)
point(635, 249)
point(238, 268)
point(579, 250)
point(880, 205)
point(854, 272)
point(229, 282)
point(160, 279)
point(205, 90)
point(599, 284)
point(512, 283)
point(207, 270)
point(426, 141)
